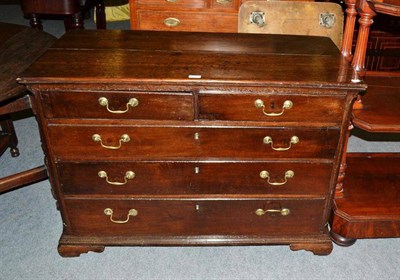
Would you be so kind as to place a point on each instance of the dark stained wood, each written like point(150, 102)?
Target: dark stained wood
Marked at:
point(16, 105)
point(196, 152)
point(77, 250)
point(159, 105)
point(191, 178)
point(19, 47)
point(25, 43)
point(242, 107)
point(370, 206)
point(171, 142)
point(381, 103)
point(23, 178)
point(71, 10)
point(194, 217)
point(213, 66)
point(195, 42)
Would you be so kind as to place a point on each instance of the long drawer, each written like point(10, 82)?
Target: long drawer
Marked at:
point(107, 217)
point(148, 142)
point(118, 105)
point(194, 178)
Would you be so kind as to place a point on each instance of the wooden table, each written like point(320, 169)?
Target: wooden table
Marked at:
point(19, 47)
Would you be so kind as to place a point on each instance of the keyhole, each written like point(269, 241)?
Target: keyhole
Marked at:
point(272, 105)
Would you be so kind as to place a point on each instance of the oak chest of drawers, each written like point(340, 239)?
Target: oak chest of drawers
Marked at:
point(164, 138)
point(186, 15)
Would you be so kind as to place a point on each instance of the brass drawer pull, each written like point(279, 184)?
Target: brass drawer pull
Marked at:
point(109, 212)
point(283, 211)
point(171, 1)
point(171, 22)
point(133, 102)
point(286, 106)
point(265, 175)
point(223, 2)
point(124, 139)
point(293, 140)
point(129, 175)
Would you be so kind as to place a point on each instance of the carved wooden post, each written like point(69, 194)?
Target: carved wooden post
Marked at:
point(365, 21)
point(347, 43)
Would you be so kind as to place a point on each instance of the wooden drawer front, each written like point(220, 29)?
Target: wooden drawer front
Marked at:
point(194, 217)
point(176, 106)
point(223, 5)
point(77, 142)
point(187, 21)
point(172, 4)
point(190, 178)
point(243, 107)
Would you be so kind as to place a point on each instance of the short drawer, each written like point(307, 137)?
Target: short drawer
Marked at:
point(130, 217)
point(118, 105)
point(147, 142)
point(271, 107)
point(187, 21)
point(223, 5)
point(195, 178)
point(173, 4)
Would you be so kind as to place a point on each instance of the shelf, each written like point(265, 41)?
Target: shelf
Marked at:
point(370, 206)
point(381, 105)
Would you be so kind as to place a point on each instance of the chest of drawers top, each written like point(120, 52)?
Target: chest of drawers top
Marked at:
point(191, 61)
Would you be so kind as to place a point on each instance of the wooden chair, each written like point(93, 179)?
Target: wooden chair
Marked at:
point(15, 58)
point(72, 11)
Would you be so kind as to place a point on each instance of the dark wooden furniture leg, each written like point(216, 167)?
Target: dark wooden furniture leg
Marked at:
point(71, 10)
point(35, 21)
point(8, 128)
point(19, 47)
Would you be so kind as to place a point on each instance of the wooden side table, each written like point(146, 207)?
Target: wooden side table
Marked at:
point(19, 47)
point(368, 205)
point(72, 10)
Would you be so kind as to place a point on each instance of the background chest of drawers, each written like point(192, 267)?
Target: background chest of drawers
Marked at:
point(186, 15)
point(153, 142)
